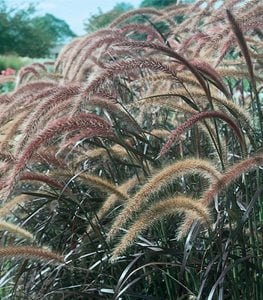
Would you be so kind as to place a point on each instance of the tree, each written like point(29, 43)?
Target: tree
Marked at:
point(161, 3)
point(157, 3)
point(56, 28)
point(24, 33)
point(100, 20)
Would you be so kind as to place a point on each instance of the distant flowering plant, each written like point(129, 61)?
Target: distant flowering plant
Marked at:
point(7, 78)
point(8, 72)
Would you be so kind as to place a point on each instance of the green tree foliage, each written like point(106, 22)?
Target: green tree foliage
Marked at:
point(24, 33)
point(157, 3)
point(100, 20)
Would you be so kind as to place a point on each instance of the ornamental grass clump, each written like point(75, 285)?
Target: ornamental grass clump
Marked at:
point(136, 158)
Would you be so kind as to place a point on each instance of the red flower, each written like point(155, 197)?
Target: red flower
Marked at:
point(8, 72)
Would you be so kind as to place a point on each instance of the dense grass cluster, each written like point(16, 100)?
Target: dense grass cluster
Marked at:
point(131, 167)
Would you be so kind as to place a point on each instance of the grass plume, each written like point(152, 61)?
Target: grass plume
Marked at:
point(59, 126)
point(112, 199)
point(175, 135)
point(227, 178)
point(28, 252)
point(16, 230)
point(159, 211)
point(11, 204)
point(230, 175)
point(160, 180)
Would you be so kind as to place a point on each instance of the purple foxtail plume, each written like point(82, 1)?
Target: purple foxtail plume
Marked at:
point(245, 51)
point(58, 127)
point(208, 70)
point(114, 109)
point(7, 78)
point(216, 187)
point(5, 99)
point(28, 94)
point(42, 178)
point(101, 40)
point(84, 134)
point(192, 120)
point(142, 29)
point(140, 11)
point(49, 158)
point(85, 48)
point(59, 95)
point(64, 54)
point(6, 156)
point(28, 252)
point(25, 71)
point(125, 66)
point(241, 41)
point(171, 53)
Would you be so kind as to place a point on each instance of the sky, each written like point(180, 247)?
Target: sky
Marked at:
point(74, 12)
